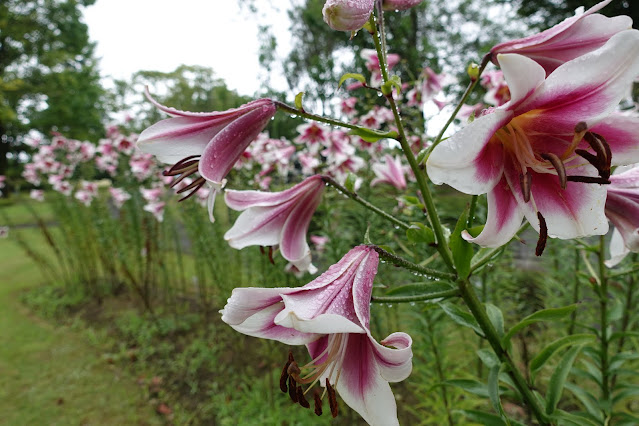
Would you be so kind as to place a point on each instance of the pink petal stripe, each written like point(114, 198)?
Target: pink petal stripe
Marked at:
point(293, 243)
point(241, 200)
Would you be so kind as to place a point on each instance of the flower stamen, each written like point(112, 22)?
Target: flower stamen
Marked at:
point(543, 235)
point(559, 167)
point(525, 180)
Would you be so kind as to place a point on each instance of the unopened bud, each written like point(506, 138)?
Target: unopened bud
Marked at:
point(347, 15)
point(473, 71)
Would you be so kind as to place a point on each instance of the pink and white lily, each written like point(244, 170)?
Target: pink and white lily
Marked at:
point(567, 40)
point(622, 208)
point(390, 171)
point(532, 155)
point(347, 15)
point(400, 4)
point(209, 143)
point(277, 219)
point(330, 315)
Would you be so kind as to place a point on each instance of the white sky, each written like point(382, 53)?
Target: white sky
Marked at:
point(160, 35)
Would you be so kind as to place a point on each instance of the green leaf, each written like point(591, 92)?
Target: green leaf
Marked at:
point(572, 419)
point(475, 230)
point(419, 233)
point(496, 317)
point(587, 399)
point(461, 317)
point(488, 357)
point(558, 379)
point(298, 101)
point(620, 334)
point(471, 386)
point(493, 390)
point(543, 315)
point(619, 359)
point(538, 362)
point(462, 250)
point(358, 77)
point(349, 184)
point(626, 391)
point(370, 135)
point(482, 418)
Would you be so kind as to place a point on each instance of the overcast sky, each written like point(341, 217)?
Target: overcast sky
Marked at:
point(161, 35)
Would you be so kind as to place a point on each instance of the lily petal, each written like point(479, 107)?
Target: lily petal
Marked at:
point(467, 161)
point(504, 218)
point(622, 134)
point(523, 76)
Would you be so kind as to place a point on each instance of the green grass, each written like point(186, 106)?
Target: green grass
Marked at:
point(55, 375)
point(16, 208)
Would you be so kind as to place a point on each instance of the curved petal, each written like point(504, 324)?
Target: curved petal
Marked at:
point(618, 250)
point(362, 386)
point(241, 200)
point(468, 161)
point(322, 324)
point(293, 245)
point(221, 154)
point(395, 363)
point(622, 134)
point(504, 218)
point(252, 311)
point(588, 88)
point(523, 76)
point(173, 139)
point(229, 113)
point(576, 211)
point(363, 286)
point(258, 226)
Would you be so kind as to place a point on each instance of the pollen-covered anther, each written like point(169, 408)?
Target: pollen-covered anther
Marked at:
point(317, 397)
point(301, 399)
point(559, 167)
point(292, 389)
point(284, 376)
point(543, 235)
point(332, 399)
point(525, 180)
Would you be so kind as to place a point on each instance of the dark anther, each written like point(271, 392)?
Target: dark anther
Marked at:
point(525, 180)
point(192, 185)
point(558, 165)
point(292, 389)
point(589, 179)
point(301, 399)
point(200, 183)
point(293, 370)
point(317, 396)
point(543, 235)
point(591, 158)
point(181, 166)
point(270, 255)
point(332, 399)
point(581, 127)
point(262, 250)
point(284, 375)
point(596, 144)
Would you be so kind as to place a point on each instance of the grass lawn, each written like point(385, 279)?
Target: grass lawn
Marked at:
point(54, 375)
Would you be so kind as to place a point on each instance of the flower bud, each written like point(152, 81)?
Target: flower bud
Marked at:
point(347, 15)
point(400, 4)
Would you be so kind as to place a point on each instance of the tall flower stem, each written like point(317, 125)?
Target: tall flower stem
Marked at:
point(469, 90)
point(478, 311)
point(399, 261)
point(603, 311)
point(420, 175)
point(297, 112)
point(355, 197)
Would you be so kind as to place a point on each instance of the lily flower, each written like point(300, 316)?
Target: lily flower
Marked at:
point(532, 155)
point(567, 40)
point(347, 15)
point(390, 172)
point(331, 316)
point(622, 208)
point(277, 219)
point(205, 142)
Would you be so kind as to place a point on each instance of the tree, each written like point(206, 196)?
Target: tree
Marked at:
point(49, 79)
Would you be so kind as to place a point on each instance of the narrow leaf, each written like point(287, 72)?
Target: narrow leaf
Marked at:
point(482, 418)
point(558, 379)
point(462, 250)
point(538, 362)
point(358, 77)
point(461, 317)
point(496, 317)
point(543, 315)
point(298, 101)
point(419, 233)
point(370, 135)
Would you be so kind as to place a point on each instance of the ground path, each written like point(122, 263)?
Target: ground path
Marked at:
point(52, 375)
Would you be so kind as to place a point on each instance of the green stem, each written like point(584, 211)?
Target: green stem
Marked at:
point(399, 261)
point(603, 310)
point(464, 97)
point(294, 111)
point(418, 298)
point(477, 309)
point(575, 294)
point(440, 370)
point(433, 217)
point(355, 197)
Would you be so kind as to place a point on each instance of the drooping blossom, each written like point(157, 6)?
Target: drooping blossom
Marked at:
point(347, 15)
point(390, 171)
point(276, 219)
point(37, 194)
point(545, 154)
point(372, 63)
point(319, 242)
point(151, 194)
point(312, 134)
point(400, 4)
point(331, 316)
point(208, 143)
point(567, 40)
point(622, 209)
point(348, 106)
point(119, 196)
point(497, 93)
